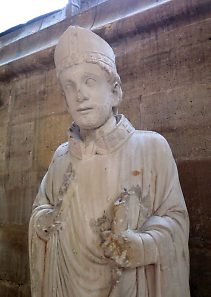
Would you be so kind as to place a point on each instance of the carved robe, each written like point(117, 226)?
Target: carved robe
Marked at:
point(71, 263)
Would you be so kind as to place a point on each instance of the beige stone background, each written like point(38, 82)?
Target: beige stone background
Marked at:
point(164, 59)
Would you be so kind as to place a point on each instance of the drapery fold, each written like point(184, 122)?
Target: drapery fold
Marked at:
point(162, 223)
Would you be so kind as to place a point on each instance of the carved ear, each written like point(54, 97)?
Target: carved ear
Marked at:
point(117, 94)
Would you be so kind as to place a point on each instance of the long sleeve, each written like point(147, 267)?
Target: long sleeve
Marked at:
point(37, 247)
point(169, 219)
point(164, 234)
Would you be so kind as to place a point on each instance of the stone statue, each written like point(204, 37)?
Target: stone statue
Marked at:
point(110, 217)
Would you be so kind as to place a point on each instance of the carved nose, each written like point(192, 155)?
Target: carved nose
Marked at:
point(80, 96)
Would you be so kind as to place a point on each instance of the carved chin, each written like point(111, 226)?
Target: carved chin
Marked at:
point(91, 122)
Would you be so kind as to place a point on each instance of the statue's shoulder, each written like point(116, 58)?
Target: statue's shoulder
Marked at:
point(150, 138)
point(153, 145)
point(149, 135)
point(61, 151)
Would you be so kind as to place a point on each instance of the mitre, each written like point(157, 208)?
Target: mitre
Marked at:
point(78, 45)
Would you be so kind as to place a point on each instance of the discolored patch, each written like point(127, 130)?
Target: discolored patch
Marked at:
point(136, 172)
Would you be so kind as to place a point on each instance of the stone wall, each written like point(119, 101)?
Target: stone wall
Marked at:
point(164, 59)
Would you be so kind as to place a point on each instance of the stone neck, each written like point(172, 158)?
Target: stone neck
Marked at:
point(105, 140)
point(89, 136)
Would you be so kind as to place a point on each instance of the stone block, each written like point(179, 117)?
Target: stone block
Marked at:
point(52, 101)
point(195, 183)
point(5, 95)
point(25, 291)
point(14, 254)
point(189, 144)
point(3, 212)
point(204, 192)
point(200, 261)
point(21, 147)
point(4, 121)
point(8, 289)
point(3, 148)
point(178, 108)
point(188, 180)
point(166, 59)
point(27, 92)
point(188, 35)
point(34, 96)
point(51, 132)
point(130, 107)
point(19, 191)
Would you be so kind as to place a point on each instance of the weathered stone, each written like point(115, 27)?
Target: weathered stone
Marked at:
point(177, 108)
point(195, 182)
point(14, 256)
point(128, 106)
point(3, 148)
point(200, 270)
point(8, 289)
point(5, 91)
point(166, 70)
point(194, 177)
point(27, 92)
point(189, 144)
point(51, 101)
point(3, 213)
point(25, 290)
point(21, 147)
point(46, 142)
point(18, 191)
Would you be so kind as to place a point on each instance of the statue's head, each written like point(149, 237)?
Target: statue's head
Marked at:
point(85, 65)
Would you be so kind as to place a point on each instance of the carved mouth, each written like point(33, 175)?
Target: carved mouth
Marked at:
point(84, 109)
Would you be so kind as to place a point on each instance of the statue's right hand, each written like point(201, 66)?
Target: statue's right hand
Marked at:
point(47, 223)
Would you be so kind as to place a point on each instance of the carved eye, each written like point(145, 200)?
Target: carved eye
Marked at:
point(68, 86)
point(90, 82)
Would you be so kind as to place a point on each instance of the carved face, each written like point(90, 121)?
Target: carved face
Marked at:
point(89, 95)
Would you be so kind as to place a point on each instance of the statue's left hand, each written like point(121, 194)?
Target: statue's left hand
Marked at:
point(47, 223)
point(124, 248)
